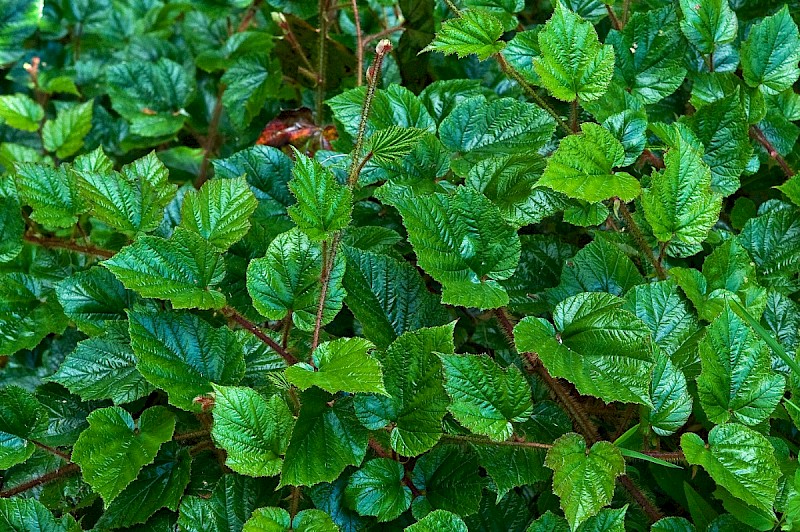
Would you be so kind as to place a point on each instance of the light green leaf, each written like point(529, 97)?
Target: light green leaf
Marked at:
point(772, 239)
point(323, 205)
point(679, 205)
point(469, 253)
point(549, 522)
point(21, 416)
point(287, 280)
point(771, 53)
point(93, 299)
point(52, 192)
point(115, 447)
point(486, 398)
point(64, 135)
point(377, 489)
point(573, 65)
point(183, 355)
point(439, 521)
point(325, 440)
point(275, 519)
point(20, 112)
point(12, 225)
point(583, 478)
point(740, 460)
point(20, 20)
point(602, 349)
point(449, 479)
point(707, 24)
point(249, 81)
point(130, 201)
point(582, 165)
point(474, 31)
point(220, 211)
point(254, 431)
point(417, 400)
point(104, 367)
point(233, 501)
point(672, 404)
point(342, 365)
point(673, 524)
point(184, 269)
point(393, 143)
point(606, 520)
point(19, 514)
point(737, 382)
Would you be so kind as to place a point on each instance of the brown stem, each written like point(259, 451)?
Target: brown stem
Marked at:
point(294, 500)
point(248, 16)
point(287, 328)
point(191, 435)
point(573, 116)
point(758, 135)
point(415, 491)
point(321, 59)
point(359, 45)
point(613, 16)
point(233, 314)
point(457, 438)
point(57, 243)
point(204, 445)
point(52, 450)
point(667, 456)
point(378, 449)
point(212, 138)
point(655, 161)
point(650, 509)
point(328, 255)
point(381, 34)
point(638, 236)
point(67, 470)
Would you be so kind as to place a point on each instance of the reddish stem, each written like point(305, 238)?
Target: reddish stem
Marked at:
point(758, 135)
point(234, 315)
point(67, 470)
point(57, 243)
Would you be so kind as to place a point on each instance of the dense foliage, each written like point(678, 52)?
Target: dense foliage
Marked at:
point(436, 265)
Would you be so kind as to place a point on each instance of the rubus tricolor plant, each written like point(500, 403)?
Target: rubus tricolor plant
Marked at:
point(289, 265)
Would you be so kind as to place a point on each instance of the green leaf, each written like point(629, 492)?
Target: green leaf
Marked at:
point(583, 478)
point(449, 479)
point(342, 365)
point(387, 296)
point(772, 239)
point(220, 211)
point(740, 460)
point(233, 501)
point(486, 398)
point(511, 466)
point(679, 205)
point(254, 431)
point(573, 65)
point(771, 52)
point(438, 521)
point(323, 205)
point(64, 135)
point(183, 269)
point(20, 20)
point(672, 404)
point(19, 514)
point(377, 489)
point(607, 520)
point(417, 402)
point(183, 355)
point(104, 367)
point(278, 520)
point(707, 24)
point(130, 201)
point(150, 95)
point(12, 226)
point(52, 192)
point(115, 447)
point(468, 254)
point(21, 416)
point(549, 522)
point(287, 280)
point(474, 31)
point(249, 81)
point(93, 299)
point(393, 143)
point(29, 311)
point(673, 524)
point(326, 439)
point(602, 349)
point(159, 485)
point(582, 165)
point(737, 382)
point(20, 112)
point(477, 128)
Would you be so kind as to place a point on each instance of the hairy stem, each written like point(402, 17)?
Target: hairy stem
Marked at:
point(233, 314)
point(328, 252)
point(294, 500)
point(458, 438)
point(758, 135)
point(193, 435)
point(381, 34)
point(573, 116)
point(212, 138)
point(359, 45)
point(650, 509)
point(52, 450)
point(638, 236)
point(57, 243)
point(321, 59)
point(67, 470)
point(615, 22)
point(248, 16)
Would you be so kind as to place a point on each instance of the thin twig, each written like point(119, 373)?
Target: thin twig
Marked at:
point(321, 59)
point(248, 16)
point(328, 256)
point(234, 315)
point(294, 500)
point(758, 135)
point(52, 450)
point(613, 16)
point(359, 45)
point(638, 236)
point(459, 438)
point(67, 470)
point(381, 34)
point(212, 138)
point(57, 243)
point(195, 434)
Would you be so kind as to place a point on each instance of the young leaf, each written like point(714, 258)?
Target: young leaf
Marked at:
point(342, 365)
point(20, 112)
point(220, 211)
point(323, 205)
point(439, 520)
point(486, 398)
point(64, 135)
point(582, 165)
point(573, 65)
point(287, 280)
point(679, 205)
point(393, 143)
point(275, 519)
point(583, 478)
point(130, 201)
point(707, 24)
point(740, 460)
point(603, 350)
point(114, 447)
point(52, 192)
point(737, 382)
point(474, 31)
point(183, 355)
point(377, 489)
point(253, 431)
point(771, 52)
point(417, 402)
point(21, 416)
point(468, 254)
point(183, 269)
point(672, 404)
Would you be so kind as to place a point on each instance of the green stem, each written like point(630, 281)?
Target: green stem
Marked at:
point(638, 236)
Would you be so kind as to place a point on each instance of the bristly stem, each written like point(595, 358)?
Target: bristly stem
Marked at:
point(328, 252)
point(758, 135)
point(294, 501)
point(233, 314)
point(57, 243)
point(650, 509)
point(462, 438)
point(52, 450)
point(212, 138)
point(638, 236)
point(613, 17)
point(193, 435)
point(67, 470)
point(573, 116)
point(321, 59)
point(359, 45)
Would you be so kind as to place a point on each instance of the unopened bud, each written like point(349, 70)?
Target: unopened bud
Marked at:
point(384, 47)
point(280, 20)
